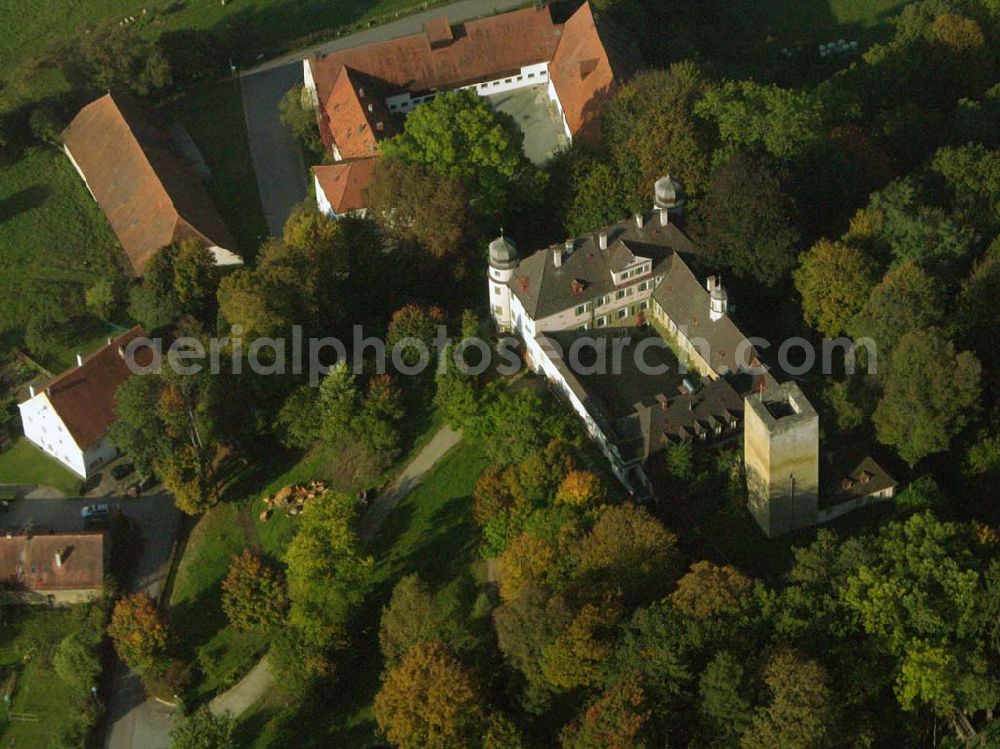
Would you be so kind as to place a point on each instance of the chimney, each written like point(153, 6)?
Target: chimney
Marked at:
point(557, 257)
point(371, 107)
point(664, 217)
point(31, 390)
point(361, 92)
point(79, 359)
point(569, 246)
point(121, 351)
point(109, 340)
point(602, 240)
point(638, 220)
point(59, 558)
point(710, 283)
point(380, 126)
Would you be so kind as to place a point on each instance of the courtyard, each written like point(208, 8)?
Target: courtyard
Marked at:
point(537, 117)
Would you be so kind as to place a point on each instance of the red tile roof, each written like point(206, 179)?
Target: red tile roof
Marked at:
point(345, 182)
point(355, 115)
point(592, 59)
point(479, 50)
point(150, 194)
point(30, 561)
point(84, 396)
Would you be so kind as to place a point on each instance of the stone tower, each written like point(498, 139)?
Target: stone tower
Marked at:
point(503, 261)
point(781, 455)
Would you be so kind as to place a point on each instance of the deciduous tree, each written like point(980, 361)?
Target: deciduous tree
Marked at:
point(253, 594)
point(930, 394)
point(139, 631)
point(429, 701)
point(834, 280)
point(745, 221)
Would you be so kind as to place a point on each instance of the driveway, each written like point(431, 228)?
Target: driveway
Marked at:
point(277, 156)
point(282, 178)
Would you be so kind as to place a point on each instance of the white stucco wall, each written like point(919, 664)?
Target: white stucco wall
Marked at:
point(310, 82)
point(43, 427)
point(529, 75)
point(222, 256)
point(322, 202)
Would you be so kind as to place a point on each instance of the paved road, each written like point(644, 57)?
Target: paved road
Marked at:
point(277, 156)
point(443, 440)
point(463, 10)
point(252, 687)
point(133, 721)
point(282, 178)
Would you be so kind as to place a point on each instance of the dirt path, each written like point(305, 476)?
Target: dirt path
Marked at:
point(259, 681)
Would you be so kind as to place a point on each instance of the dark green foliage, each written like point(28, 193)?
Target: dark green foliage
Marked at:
point(745, 223)
point(115, 58)
point(298, 113)
point(204, 730)
point(457, 135)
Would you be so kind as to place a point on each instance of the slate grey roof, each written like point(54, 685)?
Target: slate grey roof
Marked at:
point(687, 302)
point(545, 290)
point(503, 253)
point(641, 412)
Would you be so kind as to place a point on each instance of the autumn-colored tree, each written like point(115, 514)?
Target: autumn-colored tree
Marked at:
point(416, 322)
point(581, 489)
point(799, 715)
point(413, 203)
point(577, 656)
point(710, 591)
point(411, 617)
point(618, 719)
point(541, 473)
point(138, 630)
point(498, 489)
point(253, 593)
point(526, 562)
point(189, 479)
point(834, 280)
point(429, 701)
point(629, 551)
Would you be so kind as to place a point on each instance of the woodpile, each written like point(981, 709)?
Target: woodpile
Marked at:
point(292, 499)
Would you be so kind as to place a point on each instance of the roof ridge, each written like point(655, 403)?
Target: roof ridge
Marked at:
point(136, 108)
point(92, 356)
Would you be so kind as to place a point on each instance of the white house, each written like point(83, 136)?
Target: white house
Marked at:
point(340, 187)
point(69, 417)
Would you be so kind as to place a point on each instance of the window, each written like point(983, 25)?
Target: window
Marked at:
point(628, 291)
point(582, 328)
point(644, 304)
point(496, 83)
point(531, 75)
point(644, 285)
point(520, 78)
point(581, 309)
point(506, 80)
point(620, 294)
point(602, 321)
point(496, 289)
point(498, 309)
point(658, 279)
point(622, 313)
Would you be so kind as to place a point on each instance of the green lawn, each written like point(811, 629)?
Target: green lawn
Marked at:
point(195, 610)
point(83, 335)
point(213, 117)
point(29, 636)
point(54, 240)
point(431, 533)
point(23, 463)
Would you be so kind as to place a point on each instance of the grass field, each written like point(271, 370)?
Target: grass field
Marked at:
point(29, 636)
point(431, 533)
point(53, 237)
point(213, 116)
point(195, 610)
point(23, 463)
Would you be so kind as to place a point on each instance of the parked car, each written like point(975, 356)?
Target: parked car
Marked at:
point(94, 512)
point(122, 470)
